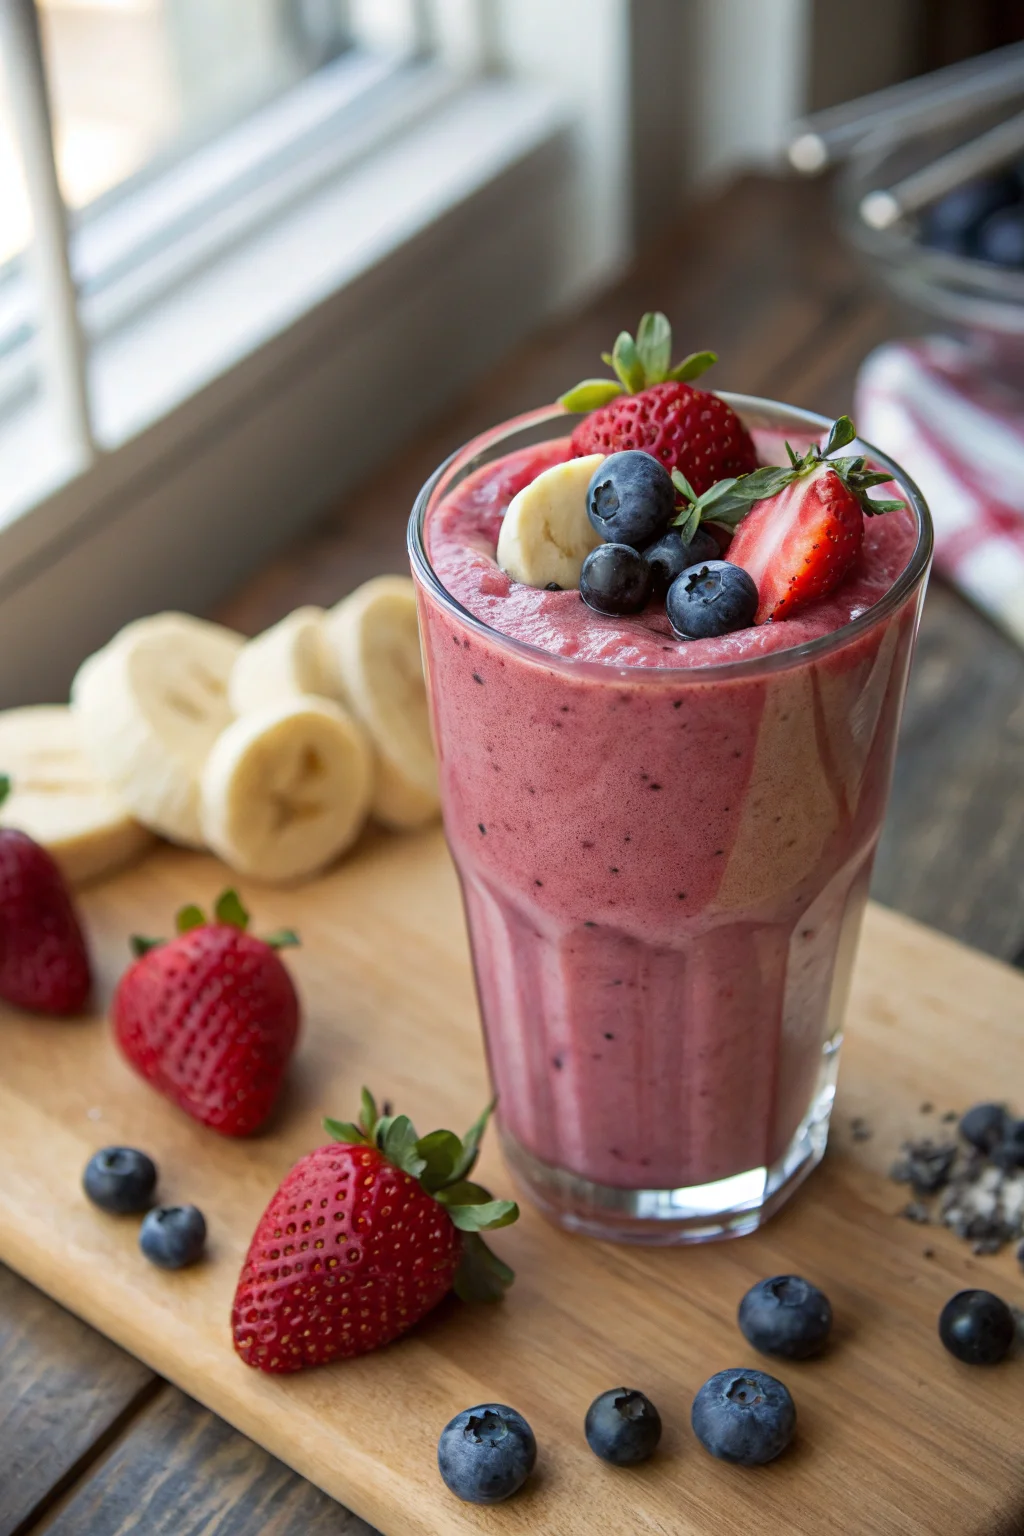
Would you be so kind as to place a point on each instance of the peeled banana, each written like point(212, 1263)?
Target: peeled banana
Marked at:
point(546, 534)
point(57, 797)
point(149, 707)
point(375, 640)
point(293, 656)
point(286, 788)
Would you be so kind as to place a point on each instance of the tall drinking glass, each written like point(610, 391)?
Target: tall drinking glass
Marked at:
point(664, 872)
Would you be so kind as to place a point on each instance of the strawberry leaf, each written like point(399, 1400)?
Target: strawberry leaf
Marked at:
point(283, 938)
point(688, 522)
point(5, 786)
point(140, 945)
point(842, 433)
point(692, 367)
point(654, 346)
point(228, 909)
point(626, 362)
point(481, 1275)
point(399, 1143)
point(478, 1215)
point(590, 395)
point(683, 485)
point(345, 1131)
point(188, 918)
point(441, 1152)
point(873, 508)
point(368, 1113)
point(471, 1144)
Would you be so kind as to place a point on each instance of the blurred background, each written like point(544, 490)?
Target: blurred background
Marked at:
point(264, 262)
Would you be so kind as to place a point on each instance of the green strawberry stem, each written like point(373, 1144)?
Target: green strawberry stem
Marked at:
point(442, 1163)
point(227, 909)
point(5, 786)
point(728, 502)
point(637, 365)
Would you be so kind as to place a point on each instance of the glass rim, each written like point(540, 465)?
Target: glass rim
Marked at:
point(774, 661)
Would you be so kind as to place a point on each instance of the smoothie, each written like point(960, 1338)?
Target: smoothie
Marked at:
point(664, 847)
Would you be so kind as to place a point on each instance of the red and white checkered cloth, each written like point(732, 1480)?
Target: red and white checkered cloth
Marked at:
point(961, 437)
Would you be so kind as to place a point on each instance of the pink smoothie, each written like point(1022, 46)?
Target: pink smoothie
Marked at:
point(664, 866)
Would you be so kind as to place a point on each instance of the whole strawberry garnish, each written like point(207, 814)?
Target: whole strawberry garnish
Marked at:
point(655, 407)
point(44, 963)
point(362, 1240)
point(210, 1019)
point(802, 528)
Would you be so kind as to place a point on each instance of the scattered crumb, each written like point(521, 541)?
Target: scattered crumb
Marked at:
point(950, 1117)
point(859, 1129)
point(956, 1186)
point(926, 1108)
point(94, 1114)
point(929, 1253)
point(916, 1210)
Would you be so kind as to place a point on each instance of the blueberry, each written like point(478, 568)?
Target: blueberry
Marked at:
point(120, 1180)
point(786, 1316)
point(173, 1236)
point(743, 1416)
point(668, 556)
point(486, 1454)
point(711, 599)
point(984, 1126)
point(1001, 238)
point(615, 579)
point(622, 1427)
point(961, 211)
point(977, 1327)
point(631, 498)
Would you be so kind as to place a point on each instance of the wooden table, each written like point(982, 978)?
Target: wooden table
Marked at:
point(90, 1440)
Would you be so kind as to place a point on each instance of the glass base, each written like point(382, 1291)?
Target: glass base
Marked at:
point(700, 1213)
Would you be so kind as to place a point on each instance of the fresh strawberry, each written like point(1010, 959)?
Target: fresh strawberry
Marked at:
point(802, 528)
point(211, 1018)
point(44, 963)
point(362, 1240)
point(655, 407)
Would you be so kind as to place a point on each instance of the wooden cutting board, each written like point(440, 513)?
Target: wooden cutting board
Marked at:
point(894, 1435)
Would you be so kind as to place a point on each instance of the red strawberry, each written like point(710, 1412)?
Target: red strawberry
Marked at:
point(805, 525)
point(44, 963)
point(362, 1240)
point(655, 407)
point(211, 1018)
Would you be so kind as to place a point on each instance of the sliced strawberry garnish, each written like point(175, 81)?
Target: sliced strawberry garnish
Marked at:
point(802, 528)
point(654, 406)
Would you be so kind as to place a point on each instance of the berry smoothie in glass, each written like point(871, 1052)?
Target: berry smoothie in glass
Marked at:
point(667, 646)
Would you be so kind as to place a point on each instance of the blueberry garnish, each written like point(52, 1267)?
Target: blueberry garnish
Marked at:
point(615, 579)
point(786, 1316)
point(984, 1126)
point(744, 1417)
point(1001, 238)
point(622, 1427)
point(120, 1180)
point(486, 1454)
point(711, 599)
point(173, 1236)
point(977, 1327)
point(668, 557)
point(631, 498)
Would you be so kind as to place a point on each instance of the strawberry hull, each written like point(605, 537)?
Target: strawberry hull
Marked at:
point(664, 861)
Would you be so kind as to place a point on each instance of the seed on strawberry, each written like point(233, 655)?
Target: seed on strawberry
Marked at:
point(802, 527)
point(652, 405)
point(211, 1018)
point(44, 963)
point(362, 1239)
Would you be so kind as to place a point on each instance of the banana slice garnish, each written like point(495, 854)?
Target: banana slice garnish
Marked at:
point(375, 639)
point(293, 656)
point(57, 797)
point(286, 789)
point(149, 708)
point(546, 534)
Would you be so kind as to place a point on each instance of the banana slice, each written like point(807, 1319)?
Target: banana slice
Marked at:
point(149, 708)
point(287, 788)
point(57, 797)
point(376, 643)
point(291, 657)
point(546, 534)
